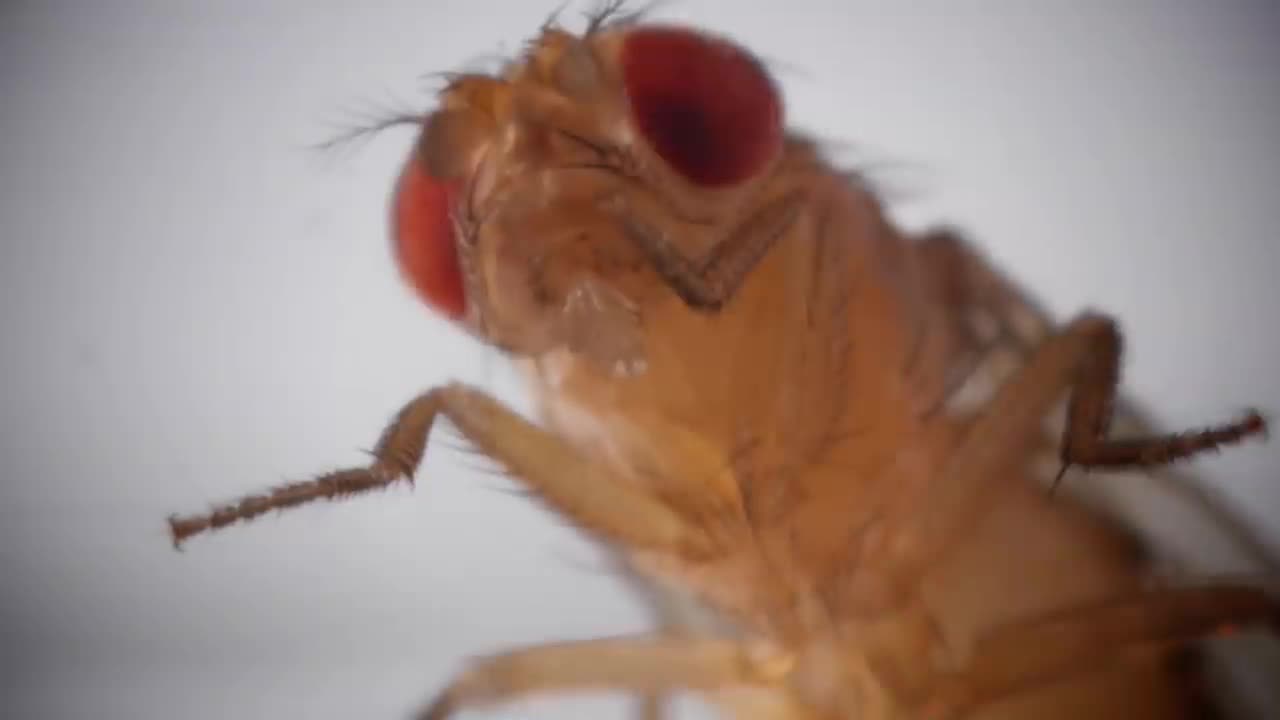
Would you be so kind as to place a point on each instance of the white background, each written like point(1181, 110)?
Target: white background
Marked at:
point(194, 305)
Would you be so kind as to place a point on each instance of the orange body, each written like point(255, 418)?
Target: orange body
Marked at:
point(796, 403)
point(805, 407)
point(804, 422)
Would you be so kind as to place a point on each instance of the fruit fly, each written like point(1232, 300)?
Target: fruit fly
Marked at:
point(812, 437)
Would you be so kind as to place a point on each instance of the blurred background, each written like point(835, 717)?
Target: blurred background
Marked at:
point(194, 303)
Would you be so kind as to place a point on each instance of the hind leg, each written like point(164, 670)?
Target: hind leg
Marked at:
point(1088, 639)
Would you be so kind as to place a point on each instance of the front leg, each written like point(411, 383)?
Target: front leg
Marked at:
point(584, 492)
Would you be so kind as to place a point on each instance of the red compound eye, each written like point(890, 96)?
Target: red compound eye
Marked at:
point(424, 241)
point(706, 106)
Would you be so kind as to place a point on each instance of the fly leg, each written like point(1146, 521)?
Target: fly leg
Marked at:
point(1001, 326)
point(1082, 358)
point(647, 665)
point(1062, 645)
point(1084, 440)
point(585, 493)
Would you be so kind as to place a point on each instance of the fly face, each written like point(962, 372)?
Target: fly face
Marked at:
point(539, 203)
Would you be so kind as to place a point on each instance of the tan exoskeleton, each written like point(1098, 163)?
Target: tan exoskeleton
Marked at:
point(815, 430)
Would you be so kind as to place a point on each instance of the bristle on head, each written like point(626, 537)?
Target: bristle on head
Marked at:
point(706, 106)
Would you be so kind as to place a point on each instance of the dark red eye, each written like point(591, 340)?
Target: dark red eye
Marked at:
point(424, 241)
point(706, 106)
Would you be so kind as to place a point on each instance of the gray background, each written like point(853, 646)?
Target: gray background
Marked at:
point(193, 304)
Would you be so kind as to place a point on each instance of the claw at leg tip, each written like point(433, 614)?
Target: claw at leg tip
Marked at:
point(1258, 424)
point(174, 537)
